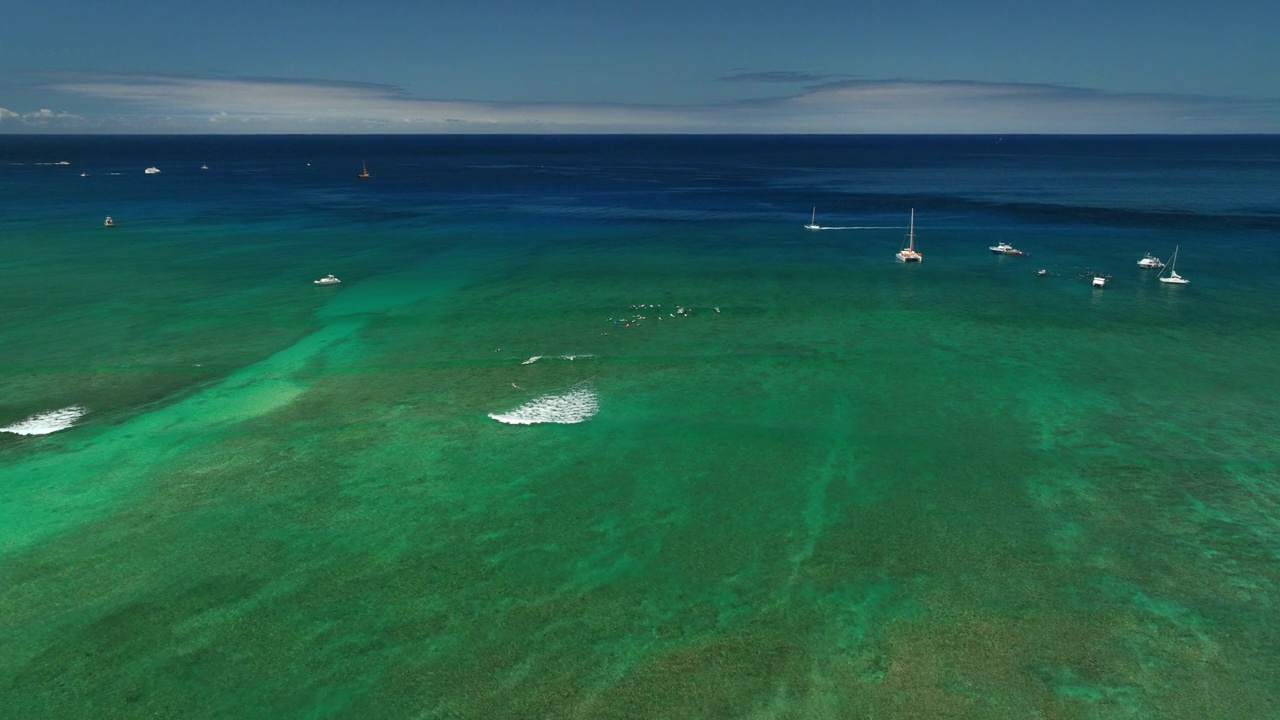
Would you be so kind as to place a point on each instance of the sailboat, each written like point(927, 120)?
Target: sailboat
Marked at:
point(1173, 277)
point(364, 171)
point(908, 253)
point(813, 221)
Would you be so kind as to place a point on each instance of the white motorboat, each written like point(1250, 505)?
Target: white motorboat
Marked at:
point(109, 222)
point(153, 170)
point(1150, 261)
point(813, 221)
point(327, 280)
point(908, 253)
point(1173, 276)
point(1099, 281)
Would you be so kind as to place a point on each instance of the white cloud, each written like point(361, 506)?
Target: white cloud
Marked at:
point(180, 104)
point(41, 117)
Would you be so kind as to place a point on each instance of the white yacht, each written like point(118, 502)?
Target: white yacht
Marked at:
point(1099, 281)
point(1001, 249)
point(1150, 261)
point(908, 253)
point(1173, 277)
point(153, 170)
point(327, 280)
point(813, 221)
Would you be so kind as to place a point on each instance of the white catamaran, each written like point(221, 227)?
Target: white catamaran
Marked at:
point(908, 253)
point(1173, 276)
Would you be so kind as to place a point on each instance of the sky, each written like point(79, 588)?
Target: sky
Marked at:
point(644, 66)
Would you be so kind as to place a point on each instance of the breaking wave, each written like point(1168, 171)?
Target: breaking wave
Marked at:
point(574, 406)
point(536, 358)
point(47, 422)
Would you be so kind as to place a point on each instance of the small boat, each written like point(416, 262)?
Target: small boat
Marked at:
point(153, 170)
point(108, 222)
point(1173, 277)
point(1150, 261)
point(364, 171)
point(204, 167)
point(327, 280)
point(908, 253)
point(1099, 281)
point(1042, 273)
point(1004, 248)
point(813, 221)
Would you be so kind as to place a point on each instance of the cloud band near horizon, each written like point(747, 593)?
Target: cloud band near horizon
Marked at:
point(166, 104)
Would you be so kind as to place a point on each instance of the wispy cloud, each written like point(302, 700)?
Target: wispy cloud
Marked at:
point(777, 76)
point(154, 103)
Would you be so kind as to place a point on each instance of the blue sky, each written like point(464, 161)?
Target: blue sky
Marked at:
point(754, 66)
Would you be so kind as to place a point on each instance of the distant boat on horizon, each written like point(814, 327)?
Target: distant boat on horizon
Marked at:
point(908, 253)
point(813, 220)
point(364, 171)
point(153, 170)
point(109, 222)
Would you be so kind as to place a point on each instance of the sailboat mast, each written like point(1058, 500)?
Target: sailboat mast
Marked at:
point(911, 231)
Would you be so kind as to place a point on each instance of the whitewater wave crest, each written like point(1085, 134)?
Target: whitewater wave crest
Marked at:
point(573, 406)
point(47, 422)
point(536, 358)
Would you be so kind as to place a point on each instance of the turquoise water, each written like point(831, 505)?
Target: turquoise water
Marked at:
point(833, 486)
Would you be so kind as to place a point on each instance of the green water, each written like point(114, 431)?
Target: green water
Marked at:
point(843, 495)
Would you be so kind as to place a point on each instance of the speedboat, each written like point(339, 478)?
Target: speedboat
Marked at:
point(328, 280)
point(1042, 273)
point(108, 222)
point(1150, 261)
point(1099, 281)
point(153, 170)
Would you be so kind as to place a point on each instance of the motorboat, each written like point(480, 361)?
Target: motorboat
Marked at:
point(1042, 273)
point(153, 170)
point(1099, 281)
point(909, 253)
point(327, 280)
point(1150, 261)
point(108, 222)
point(1004, 248)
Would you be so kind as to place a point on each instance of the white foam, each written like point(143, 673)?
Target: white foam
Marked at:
point(574, 406)
point(536, 358)
point(47, 422)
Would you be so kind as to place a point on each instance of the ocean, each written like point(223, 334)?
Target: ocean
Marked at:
point(593, 427)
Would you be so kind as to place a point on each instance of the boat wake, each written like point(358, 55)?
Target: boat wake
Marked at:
point(47, 422)
point(576, 405)
point(859, 227)
point(536, 358)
